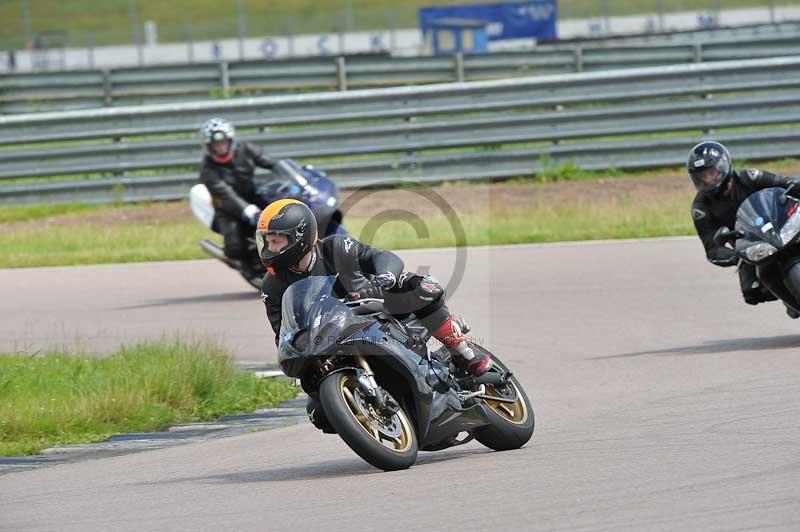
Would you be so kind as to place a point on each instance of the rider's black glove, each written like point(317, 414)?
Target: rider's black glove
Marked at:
point(722, 236)
point(724, 257)
point(375, 288)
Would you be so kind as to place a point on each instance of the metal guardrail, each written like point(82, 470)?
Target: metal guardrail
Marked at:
point(638, 118)
point(720, 33)
point(192, 82)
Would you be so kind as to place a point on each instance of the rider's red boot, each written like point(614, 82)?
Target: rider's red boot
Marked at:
point(450, 334)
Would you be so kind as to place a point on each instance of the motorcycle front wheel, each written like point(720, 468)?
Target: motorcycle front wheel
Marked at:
point(512, 420)
point(792, 281)
point(388, 443)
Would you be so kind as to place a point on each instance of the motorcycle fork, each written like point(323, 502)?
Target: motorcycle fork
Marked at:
point(374, 393)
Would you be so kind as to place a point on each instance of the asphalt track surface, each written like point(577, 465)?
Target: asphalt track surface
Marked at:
point(662, 403)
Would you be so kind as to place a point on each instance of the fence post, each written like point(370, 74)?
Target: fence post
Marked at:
point(137, 36)
point(578, 59)
point(224, 79)
point(189, 43)
point(698, 52)
point(290, 35)
point(341, 73)
point(90, 49)
point(107, 97)
point(240, 27)
point(26, 20)
point(458, 63)
point(392, 29)
point(341, 31)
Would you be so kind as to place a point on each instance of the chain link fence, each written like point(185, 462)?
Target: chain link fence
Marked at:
point(84, 23)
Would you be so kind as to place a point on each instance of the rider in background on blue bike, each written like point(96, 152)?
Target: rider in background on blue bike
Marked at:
point(720, 191)
point(227, 171)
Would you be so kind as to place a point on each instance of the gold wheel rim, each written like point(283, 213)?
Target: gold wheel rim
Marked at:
point(400, 444)
point(516, 412)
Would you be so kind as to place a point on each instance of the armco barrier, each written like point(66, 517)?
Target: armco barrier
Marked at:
point(637, 118)
point(25, 93)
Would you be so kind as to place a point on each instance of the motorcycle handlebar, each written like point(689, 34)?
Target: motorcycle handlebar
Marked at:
point(359, 302)
point(725, 235)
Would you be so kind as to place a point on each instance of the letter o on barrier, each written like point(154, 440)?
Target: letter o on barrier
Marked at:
point(269, 47)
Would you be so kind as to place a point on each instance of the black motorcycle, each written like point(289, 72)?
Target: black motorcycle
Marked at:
point(291, 180)
point(383, 390)
point(766, 236)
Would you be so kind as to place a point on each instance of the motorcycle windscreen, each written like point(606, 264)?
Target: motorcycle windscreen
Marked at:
point(307, 184)
point(761, 217)
point(312, 321)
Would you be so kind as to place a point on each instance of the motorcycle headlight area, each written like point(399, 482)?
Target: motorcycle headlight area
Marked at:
point(760, 251)
point(790, 228)
point(300, 340)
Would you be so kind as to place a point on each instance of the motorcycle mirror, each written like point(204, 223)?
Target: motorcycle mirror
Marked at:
point(784, 197)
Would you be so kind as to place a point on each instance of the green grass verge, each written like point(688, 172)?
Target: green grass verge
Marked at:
point(54, 245)
point(18, 213)
point(58, 399)
point(617, 217)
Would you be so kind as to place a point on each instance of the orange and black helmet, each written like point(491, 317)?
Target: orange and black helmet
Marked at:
point(291, 218)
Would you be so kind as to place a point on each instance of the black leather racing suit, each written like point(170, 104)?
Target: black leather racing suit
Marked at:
point(232, 188)
point(712, 212)
point(356, 263)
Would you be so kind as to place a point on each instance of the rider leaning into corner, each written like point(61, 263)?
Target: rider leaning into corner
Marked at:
point(720, 191)
point(227, 171)
point(288, 245)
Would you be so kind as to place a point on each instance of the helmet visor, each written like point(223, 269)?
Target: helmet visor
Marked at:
point(709, 178)
point(219, 147)
point(270, 244)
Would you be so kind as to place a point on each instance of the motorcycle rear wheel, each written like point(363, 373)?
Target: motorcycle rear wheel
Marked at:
point(387, 443)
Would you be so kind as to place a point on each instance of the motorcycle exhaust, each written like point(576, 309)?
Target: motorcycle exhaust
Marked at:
point(491, 377)
point(213, 250)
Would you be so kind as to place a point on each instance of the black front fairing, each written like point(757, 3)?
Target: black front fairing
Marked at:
point(316, 325)
point(760, 217)
point(313, 321)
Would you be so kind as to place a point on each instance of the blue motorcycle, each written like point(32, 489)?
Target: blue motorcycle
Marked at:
point(292, 181)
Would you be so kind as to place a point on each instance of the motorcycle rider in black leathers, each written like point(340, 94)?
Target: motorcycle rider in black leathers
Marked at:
point(288, 245)
point(720, 191)
point(227, 171)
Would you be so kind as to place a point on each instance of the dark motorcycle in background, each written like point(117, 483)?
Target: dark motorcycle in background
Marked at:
point(383, 390)
point(292, 181)
point(766, 236)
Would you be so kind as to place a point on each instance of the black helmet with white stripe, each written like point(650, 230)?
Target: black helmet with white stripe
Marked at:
point(710, 167)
